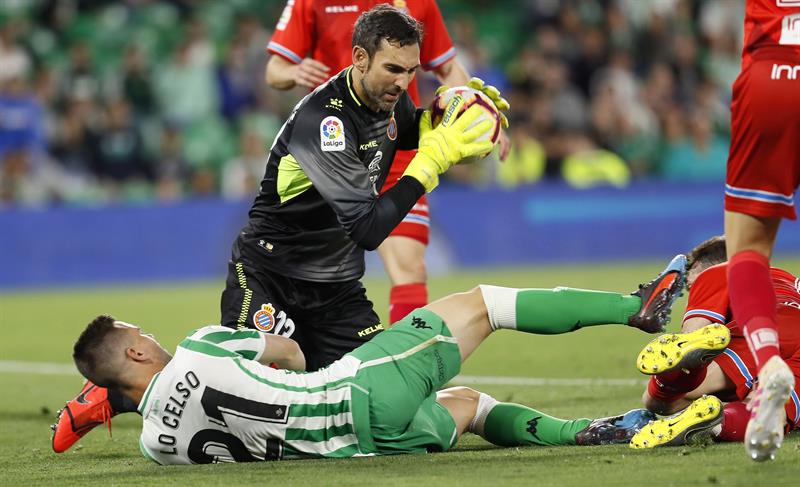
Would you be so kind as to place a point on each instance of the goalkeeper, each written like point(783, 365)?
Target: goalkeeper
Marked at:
point(296, 266)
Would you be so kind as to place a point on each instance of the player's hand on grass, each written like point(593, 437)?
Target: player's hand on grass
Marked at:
point(447, 144)
point(310, 73)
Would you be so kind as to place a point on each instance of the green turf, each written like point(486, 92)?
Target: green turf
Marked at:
point(41, 327)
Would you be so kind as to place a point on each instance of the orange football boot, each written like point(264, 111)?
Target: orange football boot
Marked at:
point(88, 410)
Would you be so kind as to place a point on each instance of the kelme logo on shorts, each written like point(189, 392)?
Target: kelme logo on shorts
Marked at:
point(264, 319)
point(331, 135)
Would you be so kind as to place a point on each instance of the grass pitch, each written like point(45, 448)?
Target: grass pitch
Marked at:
point(42, 326)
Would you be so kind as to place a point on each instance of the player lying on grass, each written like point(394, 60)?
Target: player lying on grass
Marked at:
point(216, 400)
point(709, 360)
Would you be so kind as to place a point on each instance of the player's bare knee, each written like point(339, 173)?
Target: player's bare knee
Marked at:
point(466, 398)
point(476, 292)
point(464, 392)
point(475, 296)
point(410, 271)
point(416, 267)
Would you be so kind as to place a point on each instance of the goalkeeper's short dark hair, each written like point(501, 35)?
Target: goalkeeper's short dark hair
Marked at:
point(708, 253)
point(385, 22)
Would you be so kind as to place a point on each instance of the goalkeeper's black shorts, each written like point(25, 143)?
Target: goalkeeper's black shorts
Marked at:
point(327, 319)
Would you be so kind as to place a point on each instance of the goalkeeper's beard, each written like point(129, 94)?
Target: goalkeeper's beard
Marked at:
point(376, 98)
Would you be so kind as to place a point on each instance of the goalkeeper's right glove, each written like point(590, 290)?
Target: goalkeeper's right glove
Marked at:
point(451, 141)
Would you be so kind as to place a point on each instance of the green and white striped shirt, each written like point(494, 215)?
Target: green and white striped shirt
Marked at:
point(214, 403)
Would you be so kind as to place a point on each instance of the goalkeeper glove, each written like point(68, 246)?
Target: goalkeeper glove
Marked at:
point(451, 141)
point(494, 94)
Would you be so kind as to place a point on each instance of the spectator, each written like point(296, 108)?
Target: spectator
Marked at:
point(73, 145)
point(526, 161)
point(200, 49)
point(118, 153)
point(80, 80)
point(137, 87)
point(171, 169)
point(241, 175)
point(14, 61)
point(22, 183)
point(186, 91)
point(235, 82)
point(21, 121)
point(700, 156)
point(633, 77)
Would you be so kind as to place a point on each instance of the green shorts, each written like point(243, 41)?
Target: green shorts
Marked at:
point(401, 370)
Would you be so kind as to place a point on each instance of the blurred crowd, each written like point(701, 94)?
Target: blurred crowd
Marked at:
point(148, 100)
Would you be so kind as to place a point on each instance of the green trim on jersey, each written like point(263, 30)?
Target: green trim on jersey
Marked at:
point(323, 409)
point(220, 337)
point(318, 435)
point(146, 453)
point(207, 348)
point(143, 405)
point(223, 336)
point(327, 386)
point(292, 181)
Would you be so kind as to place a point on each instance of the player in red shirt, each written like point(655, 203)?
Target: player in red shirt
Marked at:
point(311, 43)
point(711, 356)
point(763, 173)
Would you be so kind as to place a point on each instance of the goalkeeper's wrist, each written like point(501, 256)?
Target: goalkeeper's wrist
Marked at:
point(424, 170)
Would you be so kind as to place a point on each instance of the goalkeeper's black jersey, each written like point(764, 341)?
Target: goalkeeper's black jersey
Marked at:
point(318, 206)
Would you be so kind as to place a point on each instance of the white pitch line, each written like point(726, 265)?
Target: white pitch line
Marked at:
point(39, 368)
point(544, 381)
point(46, 368)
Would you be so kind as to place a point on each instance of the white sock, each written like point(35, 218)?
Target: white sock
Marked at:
point(501, 305)
point(485, 404)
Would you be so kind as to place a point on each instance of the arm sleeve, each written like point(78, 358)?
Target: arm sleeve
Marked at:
point(708, 297)
point(437, 47)
point(340, 177)
point(293, 35)
point(247, 343)
point(388, 212)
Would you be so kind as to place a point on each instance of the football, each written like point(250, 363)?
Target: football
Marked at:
point(473, 97)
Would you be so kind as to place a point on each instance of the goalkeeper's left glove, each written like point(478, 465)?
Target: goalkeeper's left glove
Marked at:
point(494, 94)
point(451, 141)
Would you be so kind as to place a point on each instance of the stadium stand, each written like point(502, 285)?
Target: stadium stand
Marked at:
point(106, 101)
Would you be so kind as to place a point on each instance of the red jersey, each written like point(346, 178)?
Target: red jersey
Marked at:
point(769, 23)
point(323, 30)
point(708, 297)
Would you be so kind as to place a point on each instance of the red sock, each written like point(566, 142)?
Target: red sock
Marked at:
point(405, 298)
point(671, 386)
point(753, 303)
point(734, 422)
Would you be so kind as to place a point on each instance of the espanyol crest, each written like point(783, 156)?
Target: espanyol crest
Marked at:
point(264, 319)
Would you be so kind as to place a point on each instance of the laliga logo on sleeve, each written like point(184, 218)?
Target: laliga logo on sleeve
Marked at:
point(331, 135)
point(264, 319)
